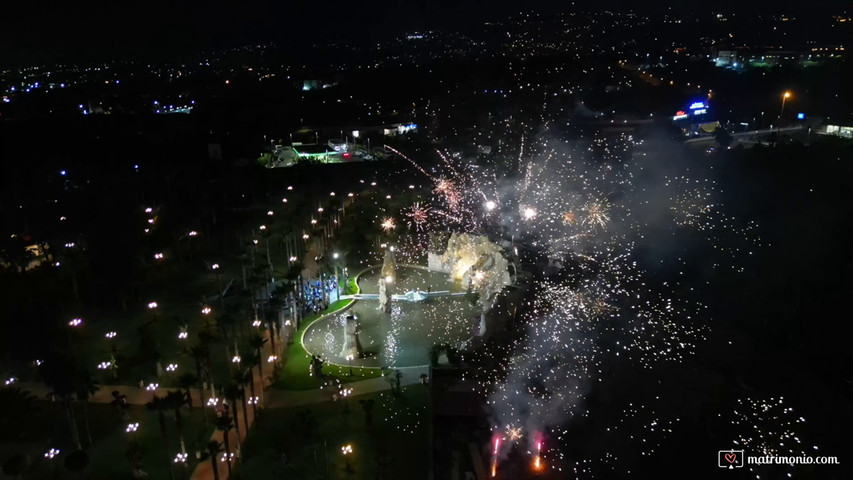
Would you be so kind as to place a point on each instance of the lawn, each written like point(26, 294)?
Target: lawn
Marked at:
point(306, 442)
point(295, 373)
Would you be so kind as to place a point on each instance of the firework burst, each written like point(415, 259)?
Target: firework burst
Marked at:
point(597, 214)
point(388, 224)
point(418, 216)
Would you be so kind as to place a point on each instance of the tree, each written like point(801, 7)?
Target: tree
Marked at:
point(224, 424)
point(723, 138)
point(201, 354)
point(160, 405)
point(120, 403)
point(84, 387)
point(58, 375)
point(250, 362)
point(187, 381)
point(232, 393)
point(241, 379)
point(257, 342)
point(175, 399)
point(367, 406)
point(213, 449)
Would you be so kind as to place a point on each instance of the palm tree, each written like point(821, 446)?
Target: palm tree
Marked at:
point(250, 374)
point(58, 375)
point(160, 404)
point(84, 387)
point(224, 424)
point(257, 342)
point(120, 404)
point(232, 393)
point(241, 379)
point(201, 353)
point(187, 381)
point(175, 400)
point(213, 449)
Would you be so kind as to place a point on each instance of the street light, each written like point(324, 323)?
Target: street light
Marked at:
point(51, 453)
point(75, 322)
point(206, 311)
point(349, 360)
point(172, 367)
point(785, 97)
point(183, 335)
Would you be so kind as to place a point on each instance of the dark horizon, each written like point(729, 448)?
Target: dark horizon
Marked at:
point(58, 32)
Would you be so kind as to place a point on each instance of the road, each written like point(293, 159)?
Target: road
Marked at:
point(745, 137)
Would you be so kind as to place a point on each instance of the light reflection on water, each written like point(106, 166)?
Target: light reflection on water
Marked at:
point(401, 338)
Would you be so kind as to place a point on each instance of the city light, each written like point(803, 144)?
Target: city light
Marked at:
point(172, 367)
point(50, 454)
point(181, 458)
point(346, 449)
point(132, 427)
point(75, 322)
point(152, 305)
point(110, 334)
point(206, 311)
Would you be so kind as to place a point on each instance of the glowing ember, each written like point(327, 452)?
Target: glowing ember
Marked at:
point(388, 224)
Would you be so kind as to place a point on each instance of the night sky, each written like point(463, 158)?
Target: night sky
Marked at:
point(51, 30)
